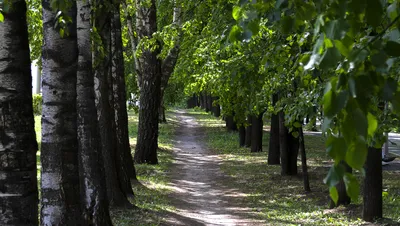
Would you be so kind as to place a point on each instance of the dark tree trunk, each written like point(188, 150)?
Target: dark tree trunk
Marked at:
point(230, 123)
point(91, 169)
point(18, 183)
point(206, 102)
point(119, 95)
point(242, 135)
point(256, 133)
point(60, 200)
point(117, 180)
point(274, 149)
point(201, 101)
point(216, 108)
point(191, 102)
point(343, 199)
point(289, 147)
point(247, 141)
point(302, 149)
point(147, 139)
point(373, 185)
point(210, 103)
point(161, 112)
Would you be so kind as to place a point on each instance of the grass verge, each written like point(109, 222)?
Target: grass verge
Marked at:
point(281, 200)
point(151, 194)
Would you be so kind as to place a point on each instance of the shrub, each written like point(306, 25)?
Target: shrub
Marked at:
point(37, 104)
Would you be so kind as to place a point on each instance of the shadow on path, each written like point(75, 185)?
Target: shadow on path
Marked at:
point(199, 193)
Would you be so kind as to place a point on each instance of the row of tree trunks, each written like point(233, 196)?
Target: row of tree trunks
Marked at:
point(117, 180)
point(192, 102)
point(18, 184)
point(91, 169)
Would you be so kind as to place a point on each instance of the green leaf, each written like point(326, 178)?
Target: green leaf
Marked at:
point(297, 124)
point(254, 26)
point(372, 124)
point(1, 17)
point(288, 24)
point(352, 186)
point(330, 59)
point(352, 87)
point(236, 12)
point(235, 33)
point(342, 48)
point(374, 12)
point(360, 122)
point(334, 176)
point(357, 154)
point(334, 194)
point(336, 148)
point(392, 48)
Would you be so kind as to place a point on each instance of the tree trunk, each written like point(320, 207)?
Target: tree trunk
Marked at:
point(230, 123)
point(18, 183)
point(147, 144)
point(91, 169)
point(343, 199)
point(216, 108)
point(256, 133)
point(117, 180)
point(274, 149)
point(161, 112)
point(206, 102)
point(119, 95)
point(201, 101)
point(373, 185)
point(248, 132)
point(302, 149)
point(60, 200)
point(242, 135)
point(210, 103)
point(289, 147)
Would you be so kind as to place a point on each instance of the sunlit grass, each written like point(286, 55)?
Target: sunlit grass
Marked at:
point(151, 195)
point(281, 200)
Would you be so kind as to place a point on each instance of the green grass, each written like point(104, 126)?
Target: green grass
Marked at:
point(281, 200)
point(151, 194)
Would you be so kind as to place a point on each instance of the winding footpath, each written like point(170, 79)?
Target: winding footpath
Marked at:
point(201, 192)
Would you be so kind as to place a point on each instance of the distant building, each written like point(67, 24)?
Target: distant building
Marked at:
point(36, 78)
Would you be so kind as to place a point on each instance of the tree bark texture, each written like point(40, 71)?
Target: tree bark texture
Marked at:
point(248, 132)
point(147, 143)
point(91, 169)
point(256, 133)
point(18, 183)
point(242, 135)
point(289, 147)
point(60, 200)
point(274, 149)
point(302, 149)
point(373, 185)
point(117, 180)
point(119, 95)
point(344, 199)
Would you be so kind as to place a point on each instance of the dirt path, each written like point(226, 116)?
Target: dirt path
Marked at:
point(201, 195)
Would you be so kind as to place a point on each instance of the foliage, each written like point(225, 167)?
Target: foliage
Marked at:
point(37, 104)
